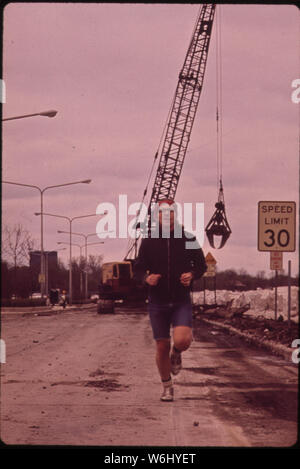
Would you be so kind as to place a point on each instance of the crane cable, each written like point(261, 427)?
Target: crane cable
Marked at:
point(133, 245)
point(219, 97)
point(218, 224)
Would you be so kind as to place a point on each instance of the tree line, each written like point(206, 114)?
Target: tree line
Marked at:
point(20, 280)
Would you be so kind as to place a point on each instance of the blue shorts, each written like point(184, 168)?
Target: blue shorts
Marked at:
point(162, 316)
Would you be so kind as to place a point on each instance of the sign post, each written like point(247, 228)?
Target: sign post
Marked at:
point(41, 278)
point(276, 264)
point(277, 234)
point(276, 282)
point(289, 293)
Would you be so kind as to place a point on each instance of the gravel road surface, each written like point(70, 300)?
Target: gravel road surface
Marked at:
point(80, 378)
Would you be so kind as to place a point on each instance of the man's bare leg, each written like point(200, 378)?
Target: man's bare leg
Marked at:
point(182, 337)
point(163, 347)
point(164, 367)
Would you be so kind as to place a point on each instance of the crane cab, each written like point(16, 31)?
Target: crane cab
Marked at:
point(116, 280)
point(117, 283)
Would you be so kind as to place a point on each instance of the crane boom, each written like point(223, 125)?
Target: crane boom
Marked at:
point(119, 283)
point(181, 117)
point(184, 108)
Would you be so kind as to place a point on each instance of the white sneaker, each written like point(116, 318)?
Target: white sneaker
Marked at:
point(168, 394)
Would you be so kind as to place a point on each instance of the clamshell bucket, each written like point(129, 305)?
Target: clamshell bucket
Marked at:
point(218, 224)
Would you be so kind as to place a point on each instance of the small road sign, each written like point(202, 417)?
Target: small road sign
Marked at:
point(211, 265)
point(276, 226)
point(276, 260)
point(41, 278)
point(209, 259)
point(211, 270)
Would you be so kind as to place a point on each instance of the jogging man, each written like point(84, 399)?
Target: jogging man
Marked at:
point(168, 266)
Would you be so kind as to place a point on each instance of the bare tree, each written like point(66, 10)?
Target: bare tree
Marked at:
point(94, 270)
point(261, 274)
point(94, 263)
point(16, 244)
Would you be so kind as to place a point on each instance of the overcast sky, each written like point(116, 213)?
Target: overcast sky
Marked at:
point(110, 70)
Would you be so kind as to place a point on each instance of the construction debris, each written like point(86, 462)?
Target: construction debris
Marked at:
point(221, 311)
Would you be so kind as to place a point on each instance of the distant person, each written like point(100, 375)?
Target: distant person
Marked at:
point(53, 296)
point(64, 298)
point(168, 267)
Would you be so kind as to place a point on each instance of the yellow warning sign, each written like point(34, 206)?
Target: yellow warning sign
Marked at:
point(211, 270)
point(209, 259)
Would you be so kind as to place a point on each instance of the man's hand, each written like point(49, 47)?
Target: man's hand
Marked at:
point(186, 279)
point(153, 279)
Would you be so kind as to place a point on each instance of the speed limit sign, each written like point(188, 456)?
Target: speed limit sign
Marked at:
point(276, 226)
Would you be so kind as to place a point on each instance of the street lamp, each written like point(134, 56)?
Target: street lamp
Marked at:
point(73, 244)
point(86, 258)
point(51, 113)
point(80, 247)
point(85, 181)
point(70, 220)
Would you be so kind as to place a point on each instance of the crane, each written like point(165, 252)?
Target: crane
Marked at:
point(181, 118)
point(177, 133)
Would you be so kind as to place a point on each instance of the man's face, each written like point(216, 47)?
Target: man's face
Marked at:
point(166, 216)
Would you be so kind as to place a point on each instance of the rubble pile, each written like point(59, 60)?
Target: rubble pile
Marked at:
point(252, 312)
point(261, 302)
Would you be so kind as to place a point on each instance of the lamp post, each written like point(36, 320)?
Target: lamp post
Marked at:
point(86, 236)
point(51, 113)
point(70, 220)
point(85, 245)
point(73, 244)
point(80, 247)
point(41, 191)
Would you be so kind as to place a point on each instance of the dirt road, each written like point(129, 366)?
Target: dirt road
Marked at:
point(79, 378)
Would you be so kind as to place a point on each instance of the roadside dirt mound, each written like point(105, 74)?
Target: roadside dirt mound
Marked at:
point(278, 331)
